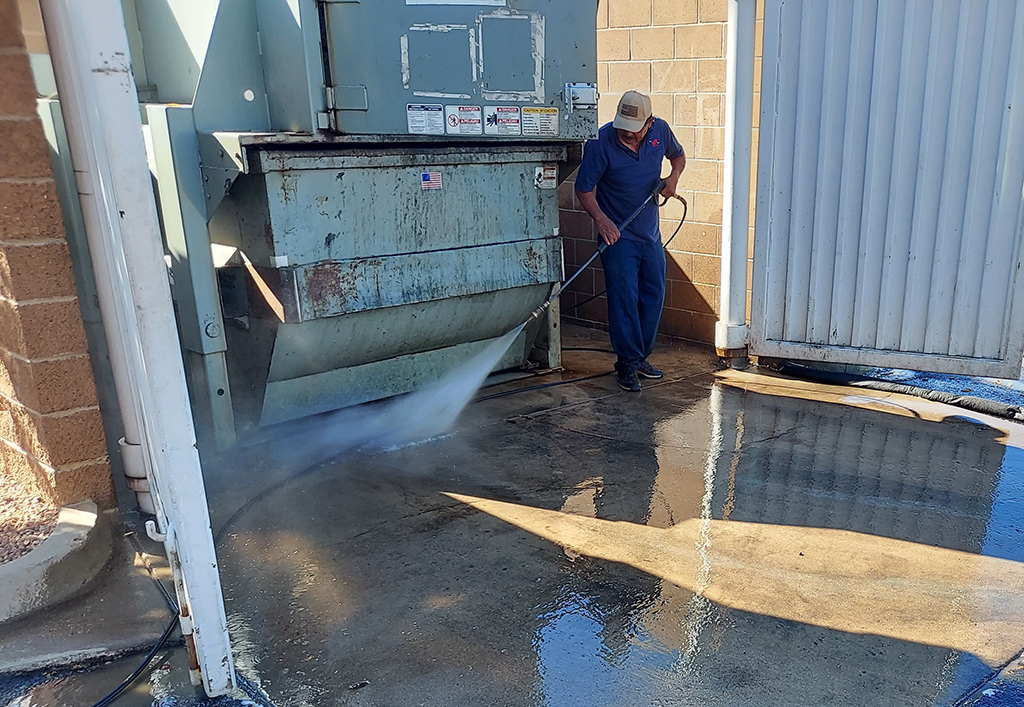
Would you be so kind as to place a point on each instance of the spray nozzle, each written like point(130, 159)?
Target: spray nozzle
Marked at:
point(536, 314)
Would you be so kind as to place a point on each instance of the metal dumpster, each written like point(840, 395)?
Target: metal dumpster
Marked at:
point(356, 195)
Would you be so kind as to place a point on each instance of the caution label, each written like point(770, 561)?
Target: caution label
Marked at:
point(546, 177)
point(541, 122)
point(502, 120)
point(463, 120)
point(425, 118)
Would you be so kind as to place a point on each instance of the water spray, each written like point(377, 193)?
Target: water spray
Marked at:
point(409, 419)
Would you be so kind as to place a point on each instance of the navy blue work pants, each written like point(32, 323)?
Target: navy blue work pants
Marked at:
point(634, 275)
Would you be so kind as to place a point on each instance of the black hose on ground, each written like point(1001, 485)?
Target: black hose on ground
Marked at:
point(542, 386)
point(968, 402)
point(127, 682)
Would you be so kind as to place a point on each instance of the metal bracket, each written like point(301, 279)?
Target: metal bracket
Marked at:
point(580, 96)
point(154, 534)
point(185, 622)
point(222, 158)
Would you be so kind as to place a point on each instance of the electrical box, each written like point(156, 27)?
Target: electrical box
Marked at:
point(490, 69)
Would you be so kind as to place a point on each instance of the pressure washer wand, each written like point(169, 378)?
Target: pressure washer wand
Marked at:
point(600, 249)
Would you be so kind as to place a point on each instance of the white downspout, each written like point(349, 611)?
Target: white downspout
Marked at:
point(731, 329)
point(89, 50)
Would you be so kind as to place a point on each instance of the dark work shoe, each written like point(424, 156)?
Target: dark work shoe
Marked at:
point(627, 380)
point(646, 370)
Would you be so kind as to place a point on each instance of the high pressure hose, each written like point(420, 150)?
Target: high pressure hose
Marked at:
point(602, 246)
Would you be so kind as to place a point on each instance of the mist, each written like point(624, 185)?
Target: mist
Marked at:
point(418, 416)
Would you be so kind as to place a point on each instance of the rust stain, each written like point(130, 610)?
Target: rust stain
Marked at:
point(330, 286)
point(333, 288)
point(267, 235)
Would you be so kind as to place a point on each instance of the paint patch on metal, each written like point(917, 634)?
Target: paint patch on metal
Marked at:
point(406, 71)
point(427, 27)
point(537, 53)
point(438, 94)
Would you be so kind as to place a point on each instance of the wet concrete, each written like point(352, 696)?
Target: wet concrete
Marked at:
point(120, 611)
point(713, 540)
point(166, 683)
point(722, 538)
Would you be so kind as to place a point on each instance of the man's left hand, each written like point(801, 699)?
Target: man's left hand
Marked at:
point(670, 186)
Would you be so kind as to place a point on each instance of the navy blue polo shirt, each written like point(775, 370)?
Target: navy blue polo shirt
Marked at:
point(624, 178)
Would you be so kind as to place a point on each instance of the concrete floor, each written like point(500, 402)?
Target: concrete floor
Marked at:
point(721, 539)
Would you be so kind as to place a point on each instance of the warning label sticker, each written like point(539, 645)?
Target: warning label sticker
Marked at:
point(502, 120)
point(425, 118)
point(463, 120)
point(540, 121)
point(546, 177)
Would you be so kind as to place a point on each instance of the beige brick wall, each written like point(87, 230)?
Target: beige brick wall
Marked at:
point(51, 433)
point(675, 51)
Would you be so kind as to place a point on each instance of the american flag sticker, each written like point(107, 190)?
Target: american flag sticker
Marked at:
point(430, 180)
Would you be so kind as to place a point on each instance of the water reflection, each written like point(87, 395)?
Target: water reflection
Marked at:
point(675, 578)
point(898, 529)
point(797, 462)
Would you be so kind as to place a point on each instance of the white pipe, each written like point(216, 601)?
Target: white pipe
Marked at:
point(89, 50)
point(731, 329)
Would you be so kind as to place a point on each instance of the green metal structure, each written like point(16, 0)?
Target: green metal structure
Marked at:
point(357, 195)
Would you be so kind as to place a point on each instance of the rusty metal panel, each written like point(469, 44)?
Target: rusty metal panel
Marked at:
point(359, 204)
point(330, 288)
point(360, 269)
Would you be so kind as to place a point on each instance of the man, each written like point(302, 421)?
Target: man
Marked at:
point(624, 164)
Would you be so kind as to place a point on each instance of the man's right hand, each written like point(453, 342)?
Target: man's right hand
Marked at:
point(607, 230)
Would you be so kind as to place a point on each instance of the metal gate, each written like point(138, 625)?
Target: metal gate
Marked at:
point(890, 211)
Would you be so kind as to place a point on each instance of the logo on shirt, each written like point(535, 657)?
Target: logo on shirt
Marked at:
point(654, 142)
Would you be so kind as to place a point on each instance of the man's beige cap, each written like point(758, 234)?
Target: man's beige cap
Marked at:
point(633, 111)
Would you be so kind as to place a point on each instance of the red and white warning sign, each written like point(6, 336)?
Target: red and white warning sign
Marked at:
point(502, 120)
point(463, 120)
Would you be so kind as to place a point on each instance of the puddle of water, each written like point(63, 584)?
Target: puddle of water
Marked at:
point(905, 593)
point(950, 492)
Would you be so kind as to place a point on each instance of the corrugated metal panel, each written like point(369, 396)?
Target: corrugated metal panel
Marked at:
point(890, 175)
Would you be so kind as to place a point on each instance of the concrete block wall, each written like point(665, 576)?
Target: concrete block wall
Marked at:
point(51, 432)
point(673, 50)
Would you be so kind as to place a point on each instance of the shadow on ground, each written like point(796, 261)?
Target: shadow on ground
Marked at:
point(722, 538)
